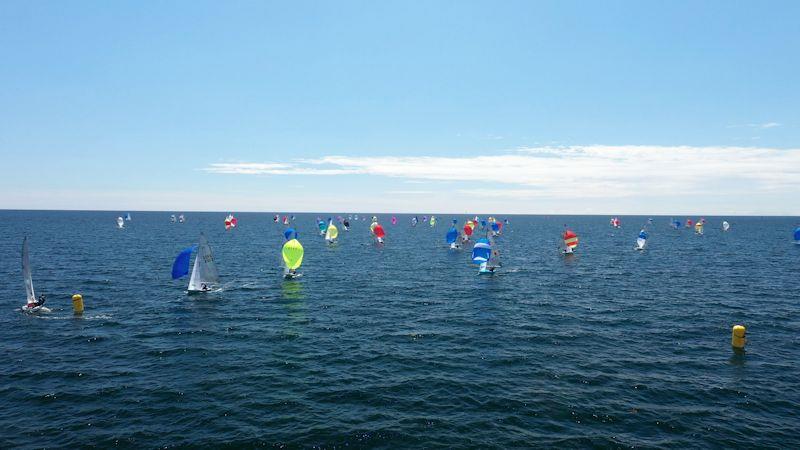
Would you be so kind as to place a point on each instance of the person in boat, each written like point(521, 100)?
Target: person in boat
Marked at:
point(204, 287)
point(37, 303)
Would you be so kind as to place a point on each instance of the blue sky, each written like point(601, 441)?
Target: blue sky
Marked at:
point(519, 107)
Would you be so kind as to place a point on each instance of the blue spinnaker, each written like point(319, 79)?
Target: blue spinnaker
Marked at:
point(482, 251)
point(797, 234)
point(181, 265)
point(452, 235)
point(290, 234)
point(495, 226)
point(643, 234)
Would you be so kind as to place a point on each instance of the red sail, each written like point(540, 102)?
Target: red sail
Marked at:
point(378, 231)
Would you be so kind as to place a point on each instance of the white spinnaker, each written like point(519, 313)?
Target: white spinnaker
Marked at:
point(640, 242)
point(120, 222)
point(26, 271)
point(204, 270)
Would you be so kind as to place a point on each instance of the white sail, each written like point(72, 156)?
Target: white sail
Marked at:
point(120, 222)
point(204, 272)
point(26, 272)
point(725, 225)
point(640, 242)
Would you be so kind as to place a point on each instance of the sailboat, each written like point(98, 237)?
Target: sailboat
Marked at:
point(570, 241)
point(676, 224)
point(292, 253)
point(615, 222)
point(379, 232)
point(128, 217)
point(204, 272)
point(346, 224)
point(797, 235)
point(285, 220)
point(452, 237)
point(120, 222)
point(331, 232)
point(641, 241)
point(432, 222)
point(31, 304)
point(481, 253)
point(414, 221)
point(181, 219)
point(322, 227)
point(689, 223)
point(230, 222)
point(698, 227)
point(467, 232)
point(725, 225)
point(172, 218)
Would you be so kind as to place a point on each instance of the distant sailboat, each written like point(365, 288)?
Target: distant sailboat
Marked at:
point(432, 222)
point(230, 222)
point(615, 222)
point(346, 224)
point(698, 227)
point(322, 227)
point(676, 224)
point(181, 218)
point(172, 218)
point(481, 253)
point(725, 225)
point(570, 241)
point(31, 304)
point(120, 222)
point(285, 220)
point(689, 223)
point(467, 231)
point(128, 216)
point(641, 241)
point(331, 232)
point(205, 276)
point(797, 235)
point(379, 233)
point(414, 221)
point(292, 253)
point(452, 237)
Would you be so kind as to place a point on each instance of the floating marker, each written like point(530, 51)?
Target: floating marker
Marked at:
point(77, 304)
point(737, 337)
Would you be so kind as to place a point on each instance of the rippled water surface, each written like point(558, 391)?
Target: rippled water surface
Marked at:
point(401, 345)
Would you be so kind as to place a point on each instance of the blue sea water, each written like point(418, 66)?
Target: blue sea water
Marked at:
point(402, 345)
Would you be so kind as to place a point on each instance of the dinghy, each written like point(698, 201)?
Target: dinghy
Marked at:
point(641, 241)
point(615, 222)
point(570, 241)
point(414, 221)
point(432, 221)
point(725, 225)
point(452, 237)
point(31, 306)
point(346, 225)
point(467, 231)
point(205, 276)
point(292, 254)
point(698, 227)
point(322, 227)
point(481, 253)
point(797, 235)
point(127, 217)
point(230, 222)
point(172, 218)
point(181, 219)
point(331, 232)
point(120, 222)
point(379, 233)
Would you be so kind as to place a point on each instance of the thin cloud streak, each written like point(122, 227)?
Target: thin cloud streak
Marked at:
point(572, 172)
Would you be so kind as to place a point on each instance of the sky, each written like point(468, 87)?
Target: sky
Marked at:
point(537, 107)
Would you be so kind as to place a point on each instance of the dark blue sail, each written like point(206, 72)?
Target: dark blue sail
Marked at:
point(181, 265)
point(452, 235)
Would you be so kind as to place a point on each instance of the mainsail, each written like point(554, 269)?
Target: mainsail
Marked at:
point(26, 272)
point(725, 225)
point(120, 222)
point(204, 272)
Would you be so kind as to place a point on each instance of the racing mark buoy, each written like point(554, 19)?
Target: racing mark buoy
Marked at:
point(77, 304)
point(737, 337)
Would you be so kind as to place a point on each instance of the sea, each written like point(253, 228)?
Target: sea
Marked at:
point(400, 345)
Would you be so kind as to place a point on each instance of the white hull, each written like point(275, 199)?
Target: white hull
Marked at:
point(35, 309)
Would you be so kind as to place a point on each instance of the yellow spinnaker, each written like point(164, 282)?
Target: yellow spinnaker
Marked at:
point(293, 254)
point(332, 232)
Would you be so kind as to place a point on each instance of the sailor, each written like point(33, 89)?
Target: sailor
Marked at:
point(36, 303)
point(204, 287)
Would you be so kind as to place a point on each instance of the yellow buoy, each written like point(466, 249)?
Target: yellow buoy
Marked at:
point(737, 337)
point(77, 303)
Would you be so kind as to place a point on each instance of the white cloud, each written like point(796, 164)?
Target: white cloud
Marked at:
point(587, 175)
point(761, 126)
